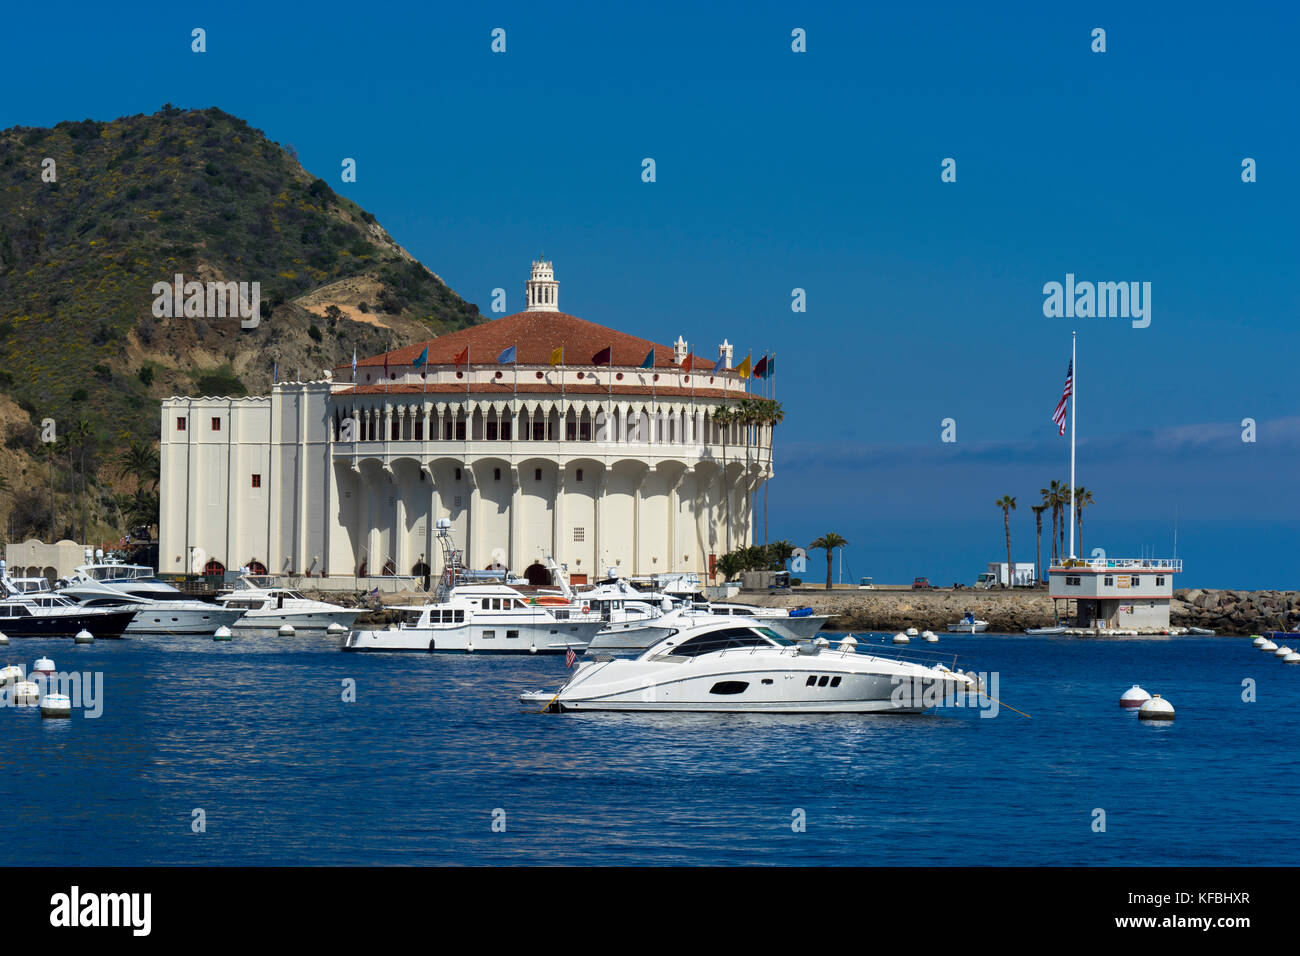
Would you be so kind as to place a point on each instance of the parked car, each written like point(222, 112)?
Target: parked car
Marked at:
point(922, 584)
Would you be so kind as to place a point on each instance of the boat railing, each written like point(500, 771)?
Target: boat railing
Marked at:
point(1122, 564)
point(837, 650)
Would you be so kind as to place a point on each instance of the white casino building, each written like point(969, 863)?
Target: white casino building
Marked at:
point(599, 465)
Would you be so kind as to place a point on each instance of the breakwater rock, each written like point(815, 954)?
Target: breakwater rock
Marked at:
point(1236, 612)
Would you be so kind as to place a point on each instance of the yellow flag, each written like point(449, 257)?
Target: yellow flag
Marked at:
point(743, 368)
point(557, 355)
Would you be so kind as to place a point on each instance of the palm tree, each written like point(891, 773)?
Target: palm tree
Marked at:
point(781, 551)
point(82, 433)
point(6, 488)
point(1082, 498)
point(1051, 499)
point(723, 417)
point(1038, 547)
point(140, 461)
point(830, 541)
point(1008, 505)
point(728, 565)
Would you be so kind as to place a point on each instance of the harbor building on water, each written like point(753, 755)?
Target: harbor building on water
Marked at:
point(1116, 594)
point(535, 434)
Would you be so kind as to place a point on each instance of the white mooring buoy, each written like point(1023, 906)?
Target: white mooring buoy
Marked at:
point(84, 637)
point(43, 665)
point(901, 638)
point(1157, 708)
point(1135, 696)
point(221, 634)
point(10, 674)
point(27, 693)
point(56, 705)
point(849, 643)
point(913, 632)
point(1268, 647)
point(286, 630)
point(336, 628)
point(821, 642)
point(1258, 640)
point(1283, 651)
point(1292, 658)
point(930, 637)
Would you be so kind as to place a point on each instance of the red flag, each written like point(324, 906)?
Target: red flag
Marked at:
point(462, 356)
point(604, 357)
point(760, 370)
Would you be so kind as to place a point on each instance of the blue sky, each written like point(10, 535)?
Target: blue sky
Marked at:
point(821, 171)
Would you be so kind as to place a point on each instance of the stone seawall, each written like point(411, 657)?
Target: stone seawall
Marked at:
point(1225, 611)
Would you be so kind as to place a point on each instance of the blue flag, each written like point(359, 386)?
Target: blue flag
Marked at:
point(649, 360)
point(422, 358)
point(720, 364)
point(507, 356)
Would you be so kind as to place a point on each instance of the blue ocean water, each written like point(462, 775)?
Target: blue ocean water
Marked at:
point(435, 748)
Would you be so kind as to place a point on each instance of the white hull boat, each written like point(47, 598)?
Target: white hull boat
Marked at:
point(159, 607)
point(743, 666)
point(1037, 631)
point(488, 619)
point(968, 625)
point(266, 608)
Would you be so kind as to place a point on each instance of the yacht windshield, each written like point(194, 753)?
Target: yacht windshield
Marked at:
point(720, 640)
point(774, 637)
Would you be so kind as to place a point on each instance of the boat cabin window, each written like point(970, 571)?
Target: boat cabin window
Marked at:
point(719, 641)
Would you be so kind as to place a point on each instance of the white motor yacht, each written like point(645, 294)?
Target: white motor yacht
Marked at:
point(485, 618)
point(740, 665)
point(159, 607)
point(29, 608)
point(267, 607)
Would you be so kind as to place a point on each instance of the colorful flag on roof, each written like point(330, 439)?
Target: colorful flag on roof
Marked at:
point(557, 356)
point(507, 356)
point(743, 368)
point(462, 356)
point(649, 360)
point(604, 357)
point(422, 358)
point(720, 364)
point(760, 370)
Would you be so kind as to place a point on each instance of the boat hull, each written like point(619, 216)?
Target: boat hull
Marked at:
point(110, 625)
point(759, 683)
point(162, 620)
point(543, 638)
point(257, 623)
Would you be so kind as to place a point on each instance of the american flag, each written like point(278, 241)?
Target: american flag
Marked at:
point(569, 657)
point(1058, 416)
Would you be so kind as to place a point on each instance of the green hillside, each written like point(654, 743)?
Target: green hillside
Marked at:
point(136, 201)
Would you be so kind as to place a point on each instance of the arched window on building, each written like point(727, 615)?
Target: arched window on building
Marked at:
point(390, 568)
point(214, 568)
point(537, 574)
point(255, 566)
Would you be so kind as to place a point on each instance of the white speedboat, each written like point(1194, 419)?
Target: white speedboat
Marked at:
point(159, 607)
point(740, 665)
point(968, 625)
point(1040, 631)
point(265, 608)
point(485, 618)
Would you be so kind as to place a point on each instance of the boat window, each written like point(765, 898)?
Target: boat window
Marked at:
point(822, 681)
point(835, 682)
point(729, 687)
point(774, 637)
point(719, 640)
point(812, 679)
point(460, 617)
point(511, 634)
point(489, 635)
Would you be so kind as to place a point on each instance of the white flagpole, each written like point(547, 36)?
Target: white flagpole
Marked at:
point(1074, 398)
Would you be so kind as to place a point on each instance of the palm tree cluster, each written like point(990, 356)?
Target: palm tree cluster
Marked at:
point(761, 557)
point(748, 411)
point(1056, 498)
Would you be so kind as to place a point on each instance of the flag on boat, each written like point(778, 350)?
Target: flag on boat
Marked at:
point(743, 368)
point(422, 358)
point(569, 657)
point(557, 356)
point(1062, 406)
point(760, 370)
point(604, 357)
point(507, 356)
point(375, 594)
point(462, 356)
point(649, 361)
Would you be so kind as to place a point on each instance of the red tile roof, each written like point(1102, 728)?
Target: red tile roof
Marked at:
point(499, 388)
point(536, 334)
